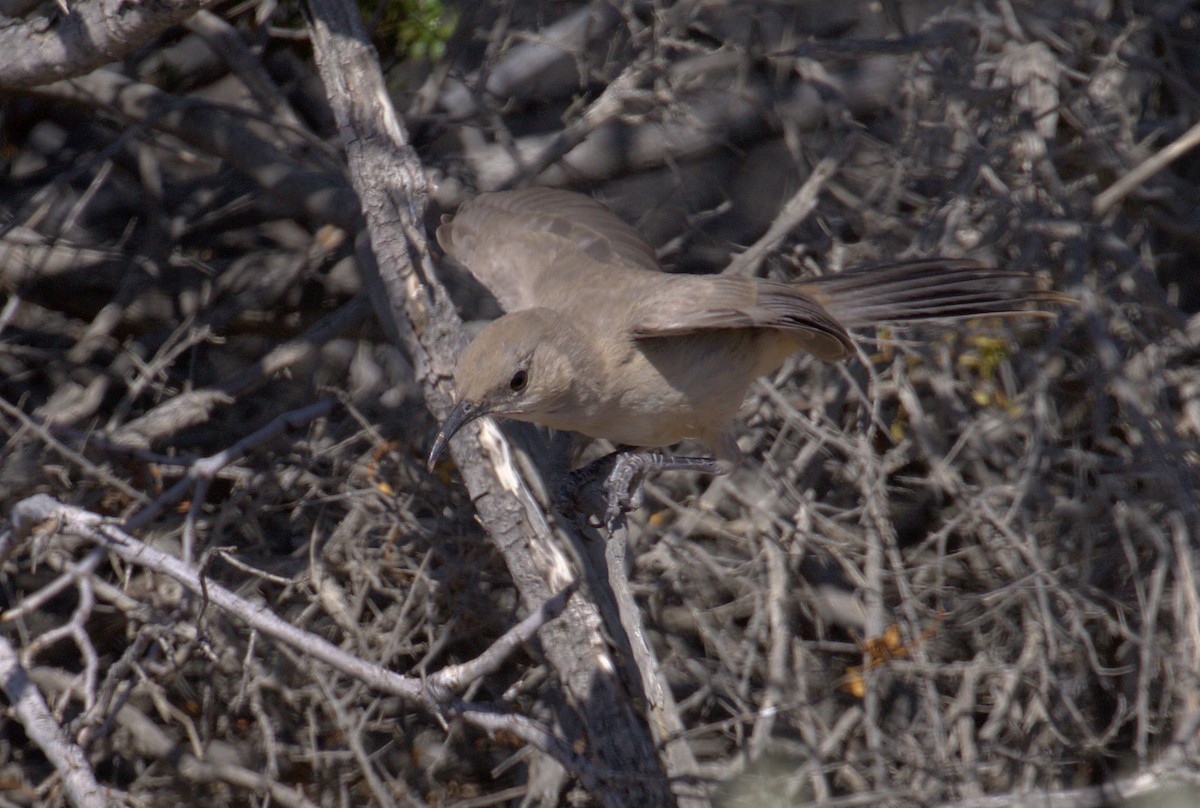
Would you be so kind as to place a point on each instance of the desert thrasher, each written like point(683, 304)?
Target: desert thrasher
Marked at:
point(597, 339)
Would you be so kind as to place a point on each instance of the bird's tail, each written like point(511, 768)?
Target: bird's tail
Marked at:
point(930, 289)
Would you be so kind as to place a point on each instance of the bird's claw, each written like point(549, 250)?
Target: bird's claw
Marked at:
point(621, 477)
point(624, 475)
point(625, 487)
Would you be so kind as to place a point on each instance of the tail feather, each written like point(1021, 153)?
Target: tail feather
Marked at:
point(930, 289)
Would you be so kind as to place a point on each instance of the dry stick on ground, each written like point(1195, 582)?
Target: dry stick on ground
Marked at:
point(433, 692)
point(384, 793)
point(26, 256)
point(414, 310)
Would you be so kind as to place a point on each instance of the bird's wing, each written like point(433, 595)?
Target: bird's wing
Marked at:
point(510, 239)
point(690, 304)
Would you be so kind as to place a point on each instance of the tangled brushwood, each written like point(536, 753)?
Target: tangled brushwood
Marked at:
point(959, 570)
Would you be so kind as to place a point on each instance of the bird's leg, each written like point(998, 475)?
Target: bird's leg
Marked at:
point(626, 482)
point(623, 474)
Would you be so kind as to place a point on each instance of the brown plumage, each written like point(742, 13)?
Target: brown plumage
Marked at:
point(598, 340)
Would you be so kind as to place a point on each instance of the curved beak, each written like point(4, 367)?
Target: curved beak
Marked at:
point(463, 413)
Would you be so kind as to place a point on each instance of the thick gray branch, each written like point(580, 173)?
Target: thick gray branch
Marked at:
point(51, 45)
point(414, 308)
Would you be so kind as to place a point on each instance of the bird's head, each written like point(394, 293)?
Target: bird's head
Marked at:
point(527, 365)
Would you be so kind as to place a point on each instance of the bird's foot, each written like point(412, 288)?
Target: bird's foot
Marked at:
point(622, 477)
point(627, 480)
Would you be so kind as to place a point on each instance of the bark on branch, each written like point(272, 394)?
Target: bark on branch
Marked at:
point(415, 309)
point(51, 45)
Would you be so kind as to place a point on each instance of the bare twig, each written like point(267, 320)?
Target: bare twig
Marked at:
point(1105, 200)
point(432, 692)
point(69, 761)
point(795, 211)
point(205, 469)
point(665, 722)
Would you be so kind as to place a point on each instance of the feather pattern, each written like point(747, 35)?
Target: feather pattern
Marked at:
point(511, 240)
point(544, 247)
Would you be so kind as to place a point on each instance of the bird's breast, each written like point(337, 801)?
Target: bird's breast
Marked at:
point(660, 391)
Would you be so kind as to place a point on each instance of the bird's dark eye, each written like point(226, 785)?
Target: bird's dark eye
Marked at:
point(519, 380)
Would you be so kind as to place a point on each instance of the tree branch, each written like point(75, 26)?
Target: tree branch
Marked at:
point(416, 311)
point(53, 45)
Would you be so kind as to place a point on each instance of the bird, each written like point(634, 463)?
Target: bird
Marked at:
point(597, 339)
